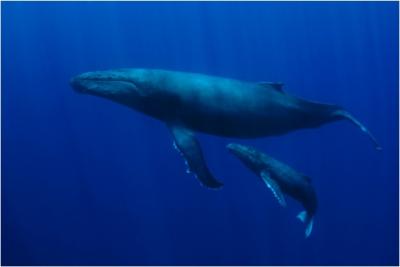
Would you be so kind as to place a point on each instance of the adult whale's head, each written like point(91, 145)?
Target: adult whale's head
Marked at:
point(125, 86)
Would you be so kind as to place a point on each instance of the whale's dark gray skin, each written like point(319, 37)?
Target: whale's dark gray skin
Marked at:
point(189, 102)
point(281, 179)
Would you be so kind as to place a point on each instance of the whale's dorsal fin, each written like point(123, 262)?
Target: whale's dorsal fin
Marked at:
point(187, 145)
point(274, 188)
point(276, 86)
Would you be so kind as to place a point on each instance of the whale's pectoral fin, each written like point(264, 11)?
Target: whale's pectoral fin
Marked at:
point(274, 188)
point(187, 145)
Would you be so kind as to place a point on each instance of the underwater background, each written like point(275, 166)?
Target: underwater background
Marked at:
point(89, 182)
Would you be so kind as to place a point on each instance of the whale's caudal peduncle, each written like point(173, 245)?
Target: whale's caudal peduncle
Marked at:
point(190, 102)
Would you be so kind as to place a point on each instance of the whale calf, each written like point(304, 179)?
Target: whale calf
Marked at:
point(191, 102)
point(281, 179)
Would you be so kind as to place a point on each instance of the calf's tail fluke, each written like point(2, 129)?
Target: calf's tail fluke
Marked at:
point(308, 220)
point(346, 115)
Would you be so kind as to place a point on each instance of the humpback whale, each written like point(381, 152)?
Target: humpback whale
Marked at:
point(191, 102)
point(280, 178)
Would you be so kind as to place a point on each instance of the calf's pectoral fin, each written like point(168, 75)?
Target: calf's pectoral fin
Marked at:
point(186, 143)
point(271, 184)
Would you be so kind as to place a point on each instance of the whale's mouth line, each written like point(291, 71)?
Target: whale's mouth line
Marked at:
point(82, 84)
point(121, 91)
point(105, 80)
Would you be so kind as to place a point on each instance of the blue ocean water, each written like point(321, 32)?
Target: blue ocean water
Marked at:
point(86, 181)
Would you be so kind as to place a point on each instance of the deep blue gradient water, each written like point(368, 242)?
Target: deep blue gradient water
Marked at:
point(86, 181)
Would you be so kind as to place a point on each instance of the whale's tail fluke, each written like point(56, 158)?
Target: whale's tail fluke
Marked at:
point(305, 218)
point(346, 115)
